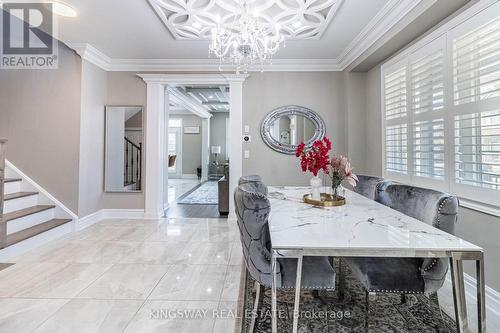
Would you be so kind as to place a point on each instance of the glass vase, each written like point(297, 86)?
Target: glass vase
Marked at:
point(336, 185)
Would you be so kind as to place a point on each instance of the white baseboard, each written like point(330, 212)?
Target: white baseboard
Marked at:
point(41, 190)
point(103, 214)
point(89, 220)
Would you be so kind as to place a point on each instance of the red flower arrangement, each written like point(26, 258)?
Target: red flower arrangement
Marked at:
point(316, 159)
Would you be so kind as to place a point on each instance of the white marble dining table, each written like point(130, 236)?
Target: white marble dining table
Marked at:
point(364, 228)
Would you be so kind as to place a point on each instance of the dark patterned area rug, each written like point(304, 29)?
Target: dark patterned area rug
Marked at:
point(387, 312)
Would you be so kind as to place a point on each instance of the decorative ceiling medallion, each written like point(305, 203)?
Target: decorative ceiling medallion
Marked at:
point(195, 19)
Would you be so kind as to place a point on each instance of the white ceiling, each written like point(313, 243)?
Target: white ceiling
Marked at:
point(132, 29)
point(129, 35)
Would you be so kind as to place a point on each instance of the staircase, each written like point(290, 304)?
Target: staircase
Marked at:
point(25, 213)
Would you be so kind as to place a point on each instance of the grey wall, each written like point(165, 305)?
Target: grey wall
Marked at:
point(482, 230)
point(93, 98)
point(322, 92)
point(135, 121)
point(218, 134)
point(40, 115)
point(478, 228)
point(373, 122)
point(191, 144)
point(355, 104)
point(100, 88)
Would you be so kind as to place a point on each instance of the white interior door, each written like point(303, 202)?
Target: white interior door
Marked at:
point(175, 148)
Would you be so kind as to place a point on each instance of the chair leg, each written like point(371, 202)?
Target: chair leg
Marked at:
point(368, 295)
point(434, 301)
point(341, 281)
point(257, 305)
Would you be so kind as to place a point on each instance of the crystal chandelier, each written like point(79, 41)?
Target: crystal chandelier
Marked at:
point(246, 42)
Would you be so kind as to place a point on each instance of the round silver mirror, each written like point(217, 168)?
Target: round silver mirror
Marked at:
point(287, 126)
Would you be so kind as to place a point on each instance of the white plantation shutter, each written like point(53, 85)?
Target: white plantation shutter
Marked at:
point(428, 149)
point(475, 47)
point(396, 155)
point(427, 83)
point(395, 94)
point(441, 114)
point(427, 108)
point(476, 64)
point(477, 149)
point(396, 115)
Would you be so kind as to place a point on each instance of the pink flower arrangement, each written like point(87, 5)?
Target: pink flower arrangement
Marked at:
point(341, 170)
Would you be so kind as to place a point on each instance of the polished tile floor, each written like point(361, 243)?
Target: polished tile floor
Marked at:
point(179, 187)
point(127, 276)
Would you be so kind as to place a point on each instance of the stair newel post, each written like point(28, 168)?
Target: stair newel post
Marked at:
point(126, 162)
point(3, 225)
point(139, 176)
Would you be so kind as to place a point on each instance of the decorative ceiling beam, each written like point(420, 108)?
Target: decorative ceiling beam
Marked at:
point(215, 103)
point(203, 89)
point(179, 98)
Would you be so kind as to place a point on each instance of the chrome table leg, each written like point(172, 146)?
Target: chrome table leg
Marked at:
point(457, 278)
point(298, 284)
point(481, 301)
point(274, 319)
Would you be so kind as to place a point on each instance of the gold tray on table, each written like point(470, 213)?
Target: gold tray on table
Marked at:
point(327, 200)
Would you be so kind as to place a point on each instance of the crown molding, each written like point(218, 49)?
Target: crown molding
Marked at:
point(98, 58)
point(391, 14)
point(91, 54)
point(176, 79)
point(202, 65)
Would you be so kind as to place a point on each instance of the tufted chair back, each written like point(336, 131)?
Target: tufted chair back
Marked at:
point(252, 211)
point(368, 186)
point(432, 207)
point(249, 179)
point(255, 181)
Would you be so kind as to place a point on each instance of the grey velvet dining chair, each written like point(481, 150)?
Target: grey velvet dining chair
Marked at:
point(255, 181)
point(368, 186)
point(409, 275)
point(252, 211)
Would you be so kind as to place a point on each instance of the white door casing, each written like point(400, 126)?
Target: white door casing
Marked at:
point(156, 128)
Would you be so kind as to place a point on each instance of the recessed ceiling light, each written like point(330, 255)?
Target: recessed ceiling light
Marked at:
point(296, 24)
point(211, 96)
point(196, 25)
point(62, 9)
